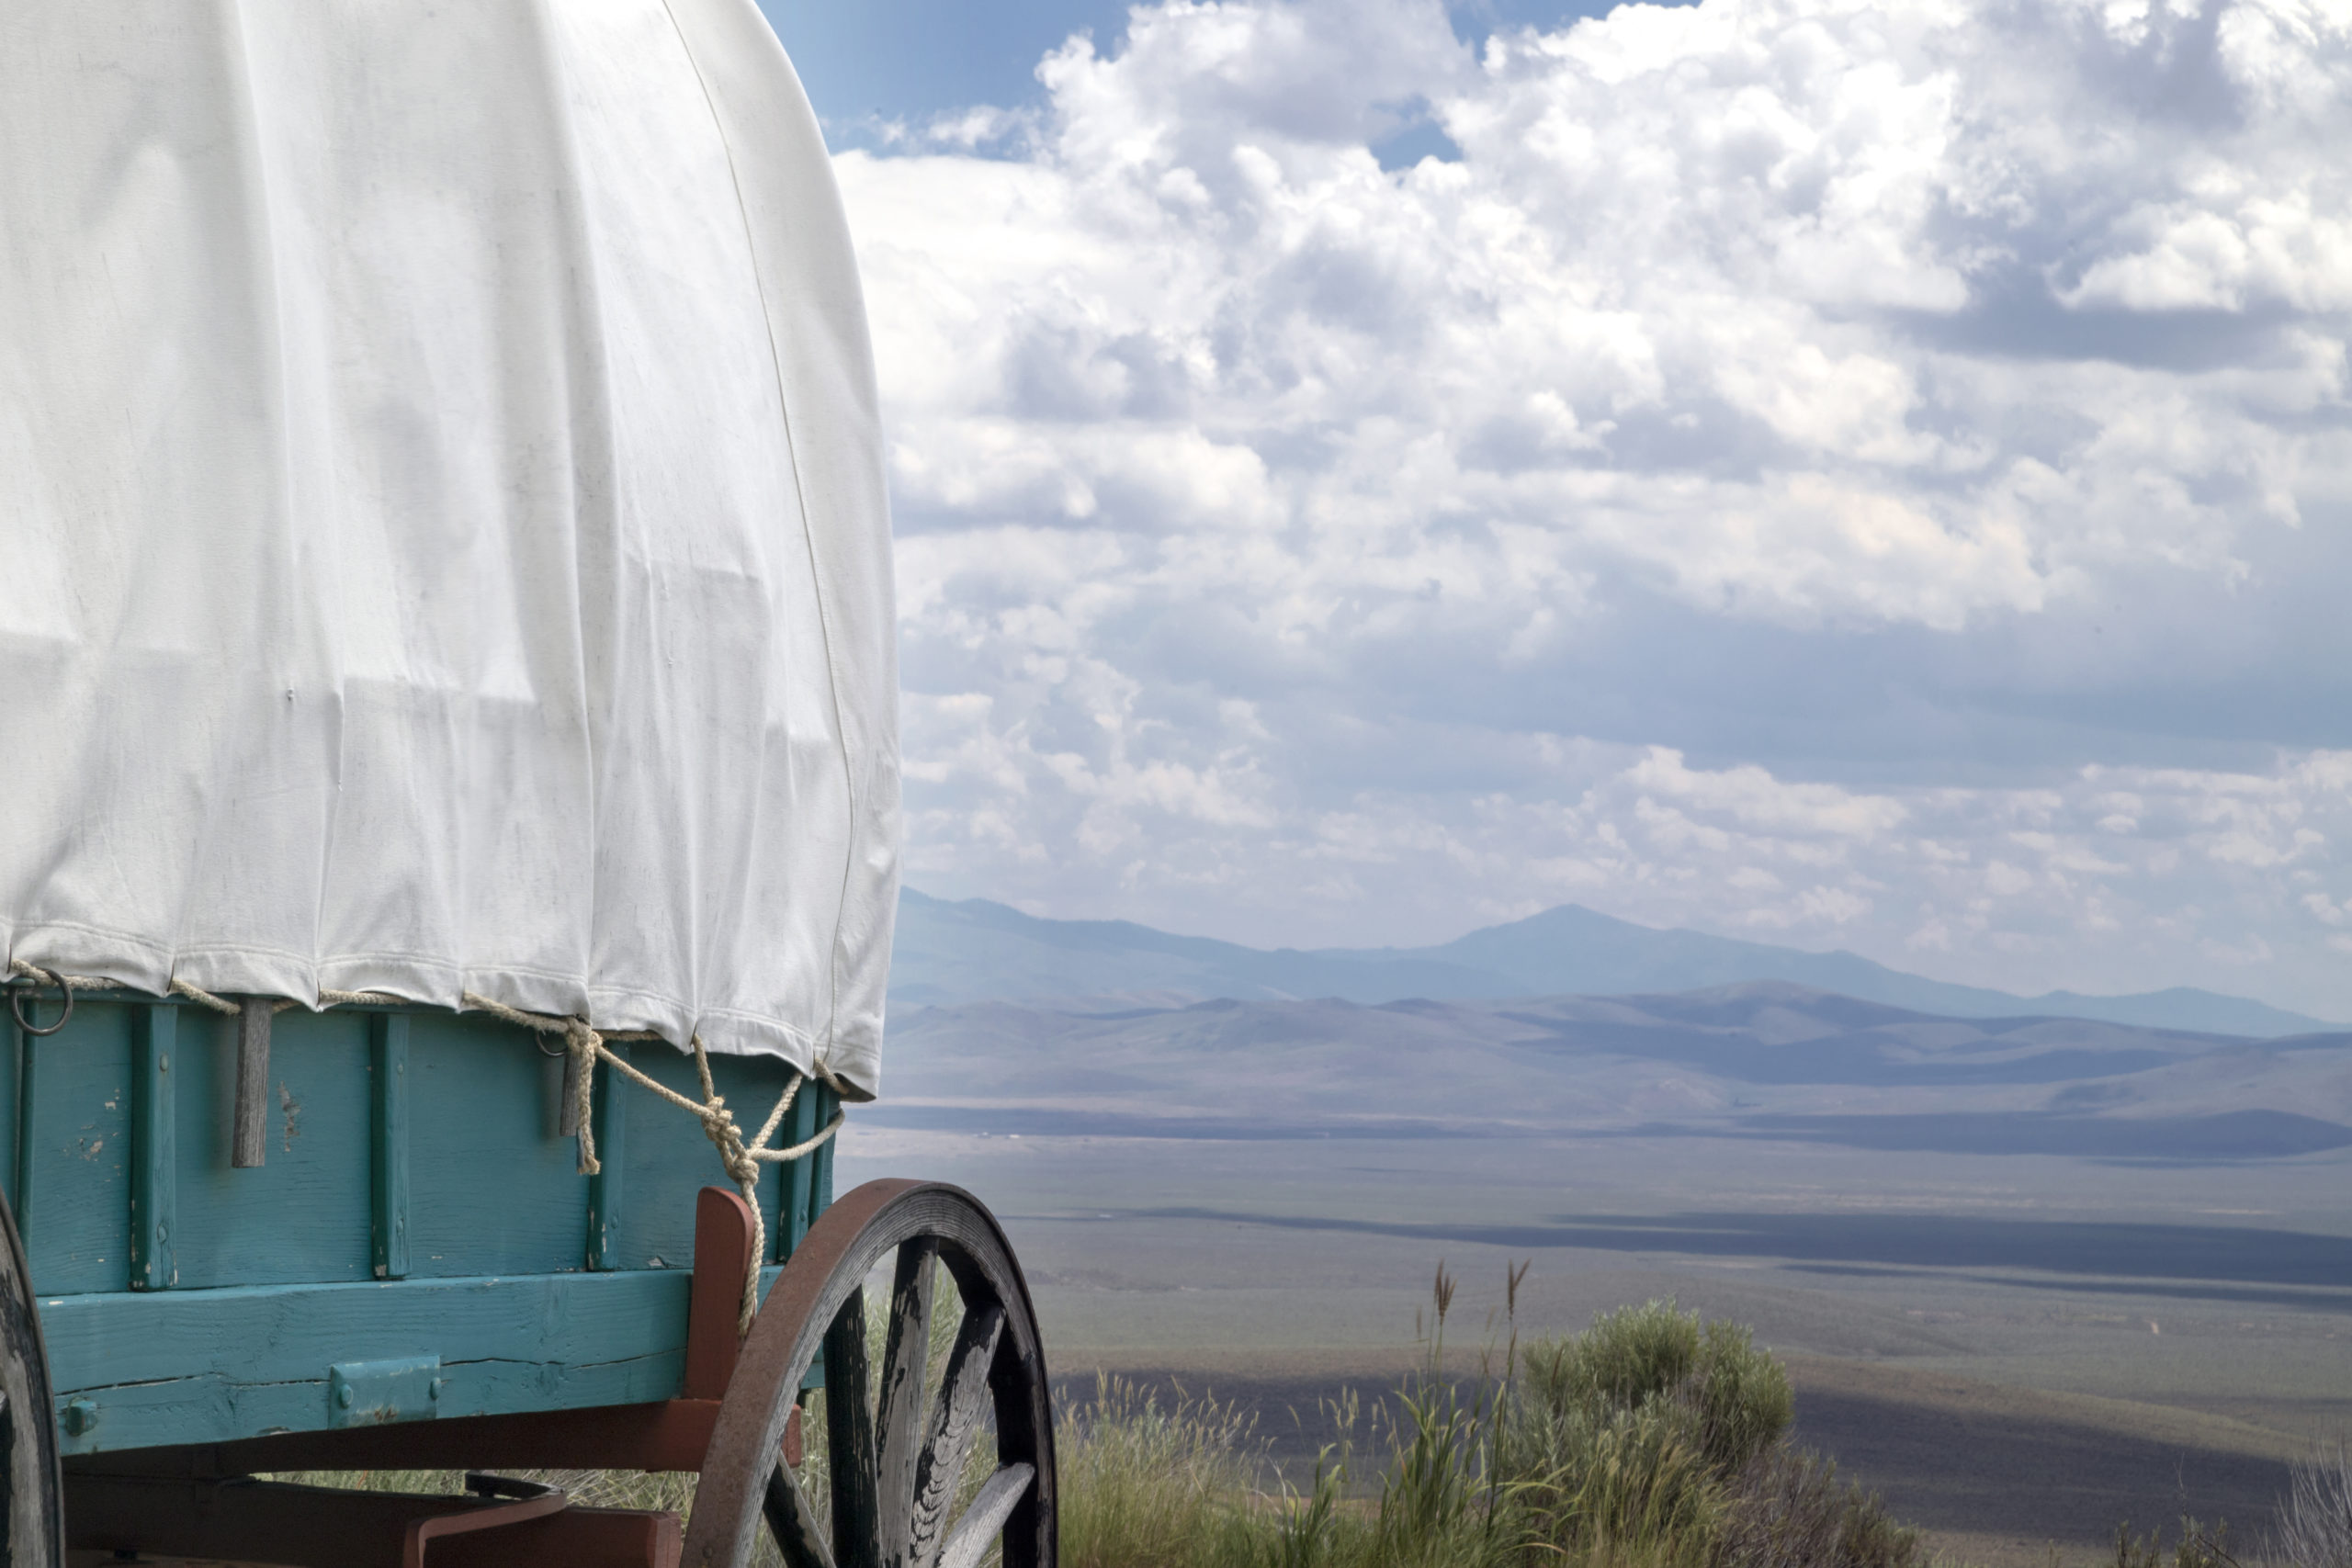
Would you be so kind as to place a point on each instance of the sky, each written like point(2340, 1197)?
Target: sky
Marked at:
point(1873, 476)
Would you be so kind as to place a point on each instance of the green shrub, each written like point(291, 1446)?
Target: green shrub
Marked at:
point(1743, 1394)
point(1655, 1437)
point(1729, 1400)
point(1625, 1360)
point(1629, 1485)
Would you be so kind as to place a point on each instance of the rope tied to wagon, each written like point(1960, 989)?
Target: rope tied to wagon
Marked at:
point(584, 1046)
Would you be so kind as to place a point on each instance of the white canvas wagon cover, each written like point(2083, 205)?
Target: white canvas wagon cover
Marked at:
point(443, 546)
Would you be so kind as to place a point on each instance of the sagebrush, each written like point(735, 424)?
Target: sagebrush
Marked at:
point(1653, 1439)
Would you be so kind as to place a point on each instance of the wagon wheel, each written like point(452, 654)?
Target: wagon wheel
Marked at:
point(897, 1453)
point(34, 1487)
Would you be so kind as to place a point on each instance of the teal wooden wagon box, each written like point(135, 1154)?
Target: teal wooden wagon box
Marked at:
point(415, 1274)
point(415, 1244)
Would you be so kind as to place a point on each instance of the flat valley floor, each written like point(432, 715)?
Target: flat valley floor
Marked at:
point(2017, 1351)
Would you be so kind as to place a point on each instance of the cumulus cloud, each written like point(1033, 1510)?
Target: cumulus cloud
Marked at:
point(1773, 395)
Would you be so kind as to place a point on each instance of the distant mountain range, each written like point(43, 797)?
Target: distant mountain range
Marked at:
point(953, 953)
point(1761, 1060)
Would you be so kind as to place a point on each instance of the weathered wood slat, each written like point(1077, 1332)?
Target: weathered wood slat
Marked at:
point(955, 1422)
point(306, 1217)
point(821, 1197)
point(998, 1495)
point(250, 1141)
point(793, 1523)
point(607, 1190)
point(213, 1409)
point(387, 1145)
point(211, 1366)
point(849, 1433)
point(153, 1160)
point(796, 1206)
point(77, 1155)
point(254, 1334)
point(899, 1416)
point(490, 1190)
point(664, 1156)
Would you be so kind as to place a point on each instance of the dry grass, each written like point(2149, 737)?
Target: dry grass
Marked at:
point(2314, 1523)
point(1143, 1486)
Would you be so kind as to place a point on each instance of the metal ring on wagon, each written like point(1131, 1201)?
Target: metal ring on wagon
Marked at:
point(17, 1004)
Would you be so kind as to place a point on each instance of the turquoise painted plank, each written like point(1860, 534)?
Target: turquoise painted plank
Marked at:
point(77, 1164)
point(275, 1332)
point(491, 1187)
point(307, 1214)
point(607, 1190)
point(387, 1145)
point(668, 1158)
point(212, 1410)
point(798, 1187)
point(822, 1198)
point(208, 1366)
point(154, 1209)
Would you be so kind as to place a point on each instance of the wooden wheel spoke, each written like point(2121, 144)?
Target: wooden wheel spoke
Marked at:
point(1000, 1495)
point(899, 1404)
point(849, 1434)
point(793, 1523)
point(955, 1421)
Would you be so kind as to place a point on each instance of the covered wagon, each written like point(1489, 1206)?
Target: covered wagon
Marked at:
point(449, 829)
